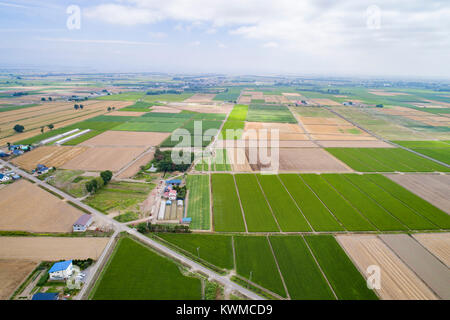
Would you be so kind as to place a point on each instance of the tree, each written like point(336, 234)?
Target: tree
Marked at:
point(109, 109)
point(81, 106)
point(50, 99)
point(42, 99)
point(75, 106)
point(42, 129)
point(106, 176)
point(142, 227)
point(51, 126)
point(18, 128)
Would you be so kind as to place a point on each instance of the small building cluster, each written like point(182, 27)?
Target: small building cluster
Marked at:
point(61, 270)
point(40, 169)
point(82, 223)
point(15, 150)
point(8, 175)
point(169, 192)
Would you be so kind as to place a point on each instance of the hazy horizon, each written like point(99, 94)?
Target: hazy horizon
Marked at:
point(406, 39)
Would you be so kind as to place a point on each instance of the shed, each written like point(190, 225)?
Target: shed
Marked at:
point(82, 223)
point(176, 182)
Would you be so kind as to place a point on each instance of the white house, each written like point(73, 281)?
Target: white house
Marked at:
point(4, 178)
point(61, 270)
point(82, 223)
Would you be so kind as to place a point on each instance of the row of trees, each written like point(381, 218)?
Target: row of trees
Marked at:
point(78, 106)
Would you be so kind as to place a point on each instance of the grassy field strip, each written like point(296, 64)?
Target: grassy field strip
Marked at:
point(351, 218)
point(255, 261)
point(439, 150)
point(240, 203)
point(215, 249)
point(135, 272)
point(399, 163)
point(422, 207)
point(391, 204)
point(284, 208)
point(304, 280)
point(376, 214)
point(199, 202)
point(258, 215)
point(226, 206)
point(350, 160)
point(411, 160)
point(278, 268)
point(312, 208)
point(344, 277)
point(267, 201)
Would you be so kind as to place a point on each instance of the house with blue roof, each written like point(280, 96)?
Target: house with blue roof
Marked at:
point(61, 270)
point(45, 296)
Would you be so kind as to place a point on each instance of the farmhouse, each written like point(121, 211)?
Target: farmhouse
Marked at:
point(82, 223)
point(61, 270)
point(4, 178)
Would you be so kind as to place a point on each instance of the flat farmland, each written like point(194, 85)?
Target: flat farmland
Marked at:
point(52, 248)
point(354, 144)
point(12, 273)
point(135, 272)
point(385, 160)
point(347, 282)
point(419, 205)
point(432, 271)
point(398, 281)
point(269, 113)
point(136, 167)
point(431, 187)
point(216, 249)
point(254, 259)
point(124, 113)
point(201, 98)
point(284, 208)
point(258, 214)
point(126, 139)
point(437, 243)
point(302, 275)
point(438, 150)
point(309, 160)
point(339, 206)
point(226, 206)
point(198, 201)
point(320, 218)
point(58, 114)
point(19, 211)
point(104, 158)
point(50, 156)
point(238, 160)
point(369, 210)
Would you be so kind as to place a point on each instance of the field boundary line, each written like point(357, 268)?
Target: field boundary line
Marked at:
point(295, 202)
point(320, 268)
point(240, 203)
point(267, 201)
point(326, 207)
point(300, 123)
point(351, 204)
point(388, 141)
point(211, 207)
point(129, 164)
point(411, 208)
point(378, 204)
point(278, 267)
point(234, 252)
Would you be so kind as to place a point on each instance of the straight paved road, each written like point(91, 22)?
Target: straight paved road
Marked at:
point(119, 227)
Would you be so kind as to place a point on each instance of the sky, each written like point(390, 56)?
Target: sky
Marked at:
point(402, 38)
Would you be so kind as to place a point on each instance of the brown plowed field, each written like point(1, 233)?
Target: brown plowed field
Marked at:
point(282, 127)
point(201, 98)
point(433, 188)
point(126, 113)
point(12, 273)
point(326, 102)
point(104, 158)
point(133, 169)
point(164, 109)
point(50, 156)
point(51, 248)
point(238, 160)
point(26, 207)
point(437, 243)
point(355, 144)
point(126, 139)
point(398, 282)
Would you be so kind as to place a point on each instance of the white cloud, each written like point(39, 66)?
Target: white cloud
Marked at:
point(221, 45)
point(271, 44)
point(123, 15)
point(98, 41)
point(157, 35)
point(194, 43)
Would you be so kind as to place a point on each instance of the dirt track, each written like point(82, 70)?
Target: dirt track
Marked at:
point(398, 282)
point(51, 248)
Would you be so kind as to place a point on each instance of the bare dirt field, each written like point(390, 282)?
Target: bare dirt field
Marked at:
point(354, 144)
point(133, 169)
point(238, 160)
point(343, 137)
point(326, 102)
point(12, 273)
point(386, 93)
point(201, 98)
point(282, 127)
point(432, 271)
point(431, 187)
point(51, 248)
point(244, 99)
point(126, 139)
point(202, 108)
point(126, 113)
point(398, 282)
point(255, 143)
point(19, 210)
point(164, 109)
point(59, 114)
point(104, 158)
point(50, 156)
point(323, 121)
point(437, 243)
point(276, 99)
point(291, 94)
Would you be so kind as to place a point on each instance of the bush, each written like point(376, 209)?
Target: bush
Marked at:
point(43, 280)
point(83, 264)
point(18, 128)
point(106, 176)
